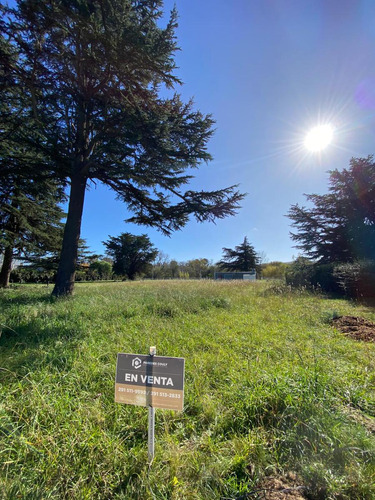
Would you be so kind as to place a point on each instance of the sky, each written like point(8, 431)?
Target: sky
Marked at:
point(268, 71)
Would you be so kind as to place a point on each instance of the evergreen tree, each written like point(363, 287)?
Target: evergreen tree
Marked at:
point(30, 221)
point(242, 258)
point(340, 226)
point(30, 193)
point(132, 255)
point(93, 71)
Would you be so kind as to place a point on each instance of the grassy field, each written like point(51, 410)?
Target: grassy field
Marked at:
point(271, 390)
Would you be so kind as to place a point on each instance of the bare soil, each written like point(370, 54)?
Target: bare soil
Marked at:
point(355, 327)
point(282, 488)
point(361, 418)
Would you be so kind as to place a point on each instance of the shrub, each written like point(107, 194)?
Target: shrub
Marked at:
point(356, 279)
point(323, 277)
point(299, 273)
point(274, 270)
point(353, 279)
point(303, 273)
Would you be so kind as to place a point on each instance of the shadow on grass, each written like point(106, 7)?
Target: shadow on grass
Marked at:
point(287, 290)
point(31, 345)
point(16, 330)
point(32, 334)
point(26, 300)
point(367, 302)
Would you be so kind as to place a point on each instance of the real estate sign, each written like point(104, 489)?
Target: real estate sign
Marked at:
point(156, 381)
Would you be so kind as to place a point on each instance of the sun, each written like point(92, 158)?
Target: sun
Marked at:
point(319, 138)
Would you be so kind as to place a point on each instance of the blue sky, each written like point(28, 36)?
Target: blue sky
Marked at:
point(268, 71)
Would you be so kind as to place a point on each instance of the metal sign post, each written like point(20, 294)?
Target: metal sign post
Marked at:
point(151, 423)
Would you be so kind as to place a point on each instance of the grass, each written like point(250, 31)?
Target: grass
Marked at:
point(270, 388)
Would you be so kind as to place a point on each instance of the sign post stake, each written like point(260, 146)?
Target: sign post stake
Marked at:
point(151, 423)
point(150, 381)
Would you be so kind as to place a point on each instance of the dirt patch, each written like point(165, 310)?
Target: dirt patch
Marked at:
point(282, 488)
point(359, 417)
point(357, 328)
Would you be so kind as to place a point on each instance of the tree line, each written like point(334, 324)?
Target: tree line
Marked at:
point(336, 235)
point(130, 257)
point(163, 268)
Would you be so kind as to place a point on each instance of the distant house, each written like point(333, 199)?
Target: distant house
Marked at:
point(244, 275)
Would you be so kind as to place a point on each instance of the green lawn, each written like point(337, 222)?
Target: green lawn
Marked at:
point(270, 388)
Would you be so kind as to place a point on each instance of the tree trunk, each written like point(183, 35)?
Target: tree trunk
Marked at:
point(6, 267)
point(12, 228)
point(68, 258)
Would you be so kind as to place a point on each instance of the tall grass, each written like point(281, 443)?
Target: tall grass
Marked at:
point(268, 387)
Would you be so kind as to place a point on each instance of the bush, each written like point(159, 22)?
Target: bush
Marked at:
point(274, 270)
point(323, 277)
point(303, 273)
point(29, 274)
point(356, 279)
point(299, 273)
point(353, 279)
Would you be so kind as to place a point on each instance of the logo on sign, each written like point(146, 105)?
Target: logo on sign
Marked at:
point(136, 363)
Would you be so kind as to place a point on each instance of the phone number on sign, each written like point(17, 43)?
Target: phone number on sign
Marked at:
point(149, 393)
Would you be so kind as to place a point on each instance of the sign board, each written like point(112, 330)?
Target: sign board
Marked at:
point(156, 381)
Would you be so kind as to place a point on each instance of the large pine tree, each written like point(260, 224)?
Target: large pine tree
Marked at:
point(339, 226)
point(93, 70)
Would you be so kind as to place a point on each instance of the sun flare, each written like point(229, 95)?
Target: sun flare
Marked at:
point(319, 138)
